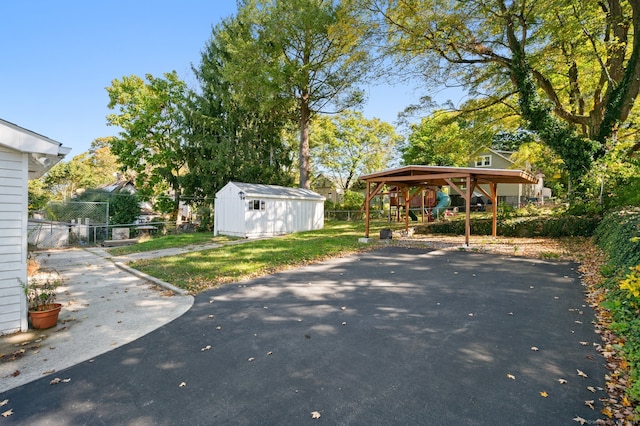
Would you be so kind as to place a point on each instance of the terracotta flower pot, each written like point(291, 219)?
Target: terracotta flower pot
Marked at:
point(46, 318)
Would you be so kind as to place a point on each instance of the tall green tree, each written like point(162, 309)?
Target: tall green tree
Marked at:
point(349, 145)
point(304, 56)
point(572, 66)
point(445, 139)
point(227, 139)
point(151, 143)
point(66, 179)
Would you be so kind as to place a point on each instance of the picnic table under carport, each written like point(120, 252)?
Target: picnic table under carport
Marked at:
point(464, 180)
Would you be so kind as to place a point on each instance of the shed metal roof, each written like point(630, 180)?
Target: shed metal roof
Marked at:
point(256, 190)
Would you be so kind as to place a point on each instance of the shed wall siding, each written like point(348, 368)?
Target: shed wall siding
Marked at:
point(229, 212)
point(13, 244)
point(280, 216)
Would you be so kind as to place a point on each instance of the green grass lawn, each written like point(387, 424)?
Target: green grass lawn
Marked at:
point(170, 241)
point(201, 270)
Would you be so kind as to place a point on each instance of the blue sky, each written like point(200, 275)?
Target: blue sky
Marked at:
point(58, 57)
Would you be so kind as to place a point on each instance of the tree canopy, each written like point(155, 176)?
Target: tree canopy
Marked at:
point(348, 145)
point(571, 66)
point(151, 142)
point(227, 139)
point(305, 56)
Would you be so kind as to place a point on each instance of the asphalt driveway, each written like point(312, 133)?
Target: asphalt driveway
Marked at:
point(393, 336)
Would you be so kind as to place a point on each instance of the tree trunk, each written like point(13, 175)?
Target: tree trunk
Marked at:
point(304, 141)
point(176, 207)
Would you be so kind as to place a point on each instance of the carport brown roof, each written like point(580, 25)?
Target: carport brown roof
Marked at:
point(455, 177)
point(437, 175)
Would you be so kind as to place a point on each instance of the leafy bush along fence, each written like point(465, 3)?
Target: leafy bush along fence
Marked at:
point(552, 226)
point(619, 237)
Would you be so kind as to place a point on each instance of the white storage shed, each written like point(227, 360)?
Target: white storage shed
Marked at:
point(24, 155)
point(250, 210)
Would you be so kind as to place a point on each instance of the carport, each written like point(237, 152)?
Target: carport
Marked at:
point(464, 180)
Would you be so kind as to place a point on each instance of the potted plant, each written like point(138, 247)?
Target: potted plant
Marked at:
point(41, 301)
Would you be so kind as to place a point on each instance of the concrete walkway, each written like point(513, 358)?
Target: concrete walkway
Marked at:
point(104, 308)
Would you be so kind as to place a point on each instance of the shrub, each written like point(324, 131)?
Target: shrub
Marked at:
point(617, 236)
point(555, 226)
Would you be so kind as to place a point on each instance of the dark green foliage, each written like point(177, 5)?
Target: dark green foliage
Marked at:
point(206, 218)
point(556, 226)
point(577, 152)
point(626, 192)
point(511, 141)
point(617, 236)
point(124, 209)
point(230, 140)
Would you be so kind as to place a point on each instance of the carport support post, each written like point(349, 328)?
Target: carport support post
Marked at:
point(494, 202)
point(407, 202)
point(366, 209)
point(467, 225)
point(369, 196)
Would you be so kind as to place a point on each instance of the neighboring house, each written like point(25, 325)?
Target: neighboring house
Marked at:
point(512, 194)
point(326, 187)
point(24, 155)
point(253, 210)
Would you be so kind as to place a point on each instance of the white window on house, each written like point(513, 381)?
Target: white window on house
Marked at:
point(483, 161)
point(256, 205)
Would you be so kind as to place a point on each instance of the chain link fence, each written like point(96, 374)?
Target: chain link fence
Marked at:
point(69, 223)
point(87, 212)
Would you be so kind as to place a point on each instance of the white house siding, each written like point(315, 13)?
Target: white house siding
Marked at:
point(13, 239)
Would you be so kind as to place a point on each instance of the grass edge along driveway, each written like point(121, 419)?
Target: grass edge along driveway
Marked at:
point(198, 271)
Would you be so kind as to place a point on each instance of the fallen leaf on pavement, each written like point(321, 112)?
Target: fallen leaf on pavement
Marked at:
point(582, 374)
point(55, 381)
point(584, 343)
point(206, 348)
point(16, 373)
point(579, 420)
point(315, 415)
point(182, 384)
point(251, 359)
point(534, 348)
point(589, 403)
point(544, 394)
point(5, 402)
point(562, 381)
point(7, 413)
point(511, 376)
point(592, 389)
